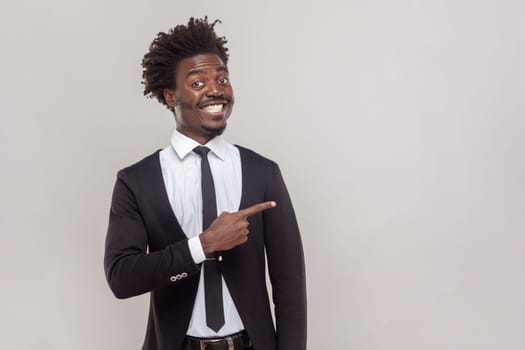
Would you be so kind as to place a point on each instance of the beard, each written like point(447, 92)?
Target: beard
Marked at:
point(214, 131)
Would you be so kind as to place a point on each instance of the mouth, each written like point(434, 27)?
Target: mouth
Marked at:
point(213, 108)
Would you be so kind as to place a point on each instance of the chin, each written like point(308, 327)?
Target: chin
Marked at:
point(215, 131)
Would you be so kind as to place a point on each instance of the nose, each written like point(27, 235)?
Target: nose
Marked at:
point(214, 90)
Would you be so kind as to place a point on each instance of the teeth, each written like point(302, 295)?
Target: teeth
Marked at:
point(213, 108)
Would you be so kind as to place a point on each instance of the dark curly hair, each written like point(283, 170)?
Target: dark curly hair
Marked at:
point(168, 49)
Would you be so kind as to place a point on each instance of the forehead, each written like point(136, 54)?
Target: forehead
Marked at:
point(199, 64)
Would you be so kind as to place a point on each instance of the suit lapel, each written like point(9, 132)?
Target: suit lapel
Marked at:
point(159, 201)
point(244, 177)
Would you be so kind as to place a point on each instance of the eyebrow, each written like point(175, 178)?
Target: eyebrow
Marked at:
point(202, 71)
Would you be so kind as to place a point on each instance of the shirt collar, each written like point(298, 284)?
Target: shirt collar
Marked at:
point(183, 145)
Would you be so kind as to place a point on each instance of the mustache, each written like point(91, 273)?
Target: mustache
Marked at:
point(215, 100)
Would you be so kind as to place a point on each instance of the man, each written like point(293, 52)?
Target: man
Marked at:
point(206, 274)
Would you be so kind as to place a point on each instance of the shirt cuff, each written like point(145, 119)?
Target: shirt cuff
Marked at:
point(196, 251)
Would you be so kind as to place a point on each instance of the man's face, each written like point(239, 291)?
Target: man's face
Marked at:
point(203, 97)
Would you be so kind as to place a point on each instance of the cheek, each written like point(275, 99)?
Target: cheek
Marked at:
point(188, 102)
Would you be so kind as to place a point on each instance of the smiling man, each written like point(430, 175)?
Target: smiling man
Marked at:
point(193, 223)
point(204, 100)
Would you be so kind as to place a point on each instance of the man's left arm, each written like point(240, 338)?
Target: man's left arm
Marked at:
point(286, 266)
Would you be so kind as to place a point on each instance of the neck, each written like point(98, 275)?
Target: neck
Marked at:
point(201, 139)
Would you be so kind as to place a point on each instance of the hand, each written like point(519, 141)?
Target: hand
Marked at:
point(229, 230)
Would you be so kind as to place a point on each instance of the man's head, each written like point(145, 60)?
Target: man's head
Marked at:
point(185, 69)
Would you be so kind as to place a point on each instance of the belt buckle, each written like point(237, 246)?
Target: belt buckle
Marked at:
point(229, 341)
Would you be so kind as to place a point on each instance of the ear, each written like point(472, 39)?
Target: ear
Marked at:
point(169, 96)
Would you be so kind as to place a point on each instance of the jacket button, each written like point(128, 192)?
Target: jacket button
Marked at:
point(184, 274)
point(173, 278)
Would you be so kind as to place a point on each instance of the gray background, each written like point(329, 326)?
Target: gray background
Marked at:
point(398, 126)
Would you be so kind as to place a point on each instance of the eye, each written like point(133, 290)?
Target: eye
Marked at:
point(197, 84)
point(223, 81)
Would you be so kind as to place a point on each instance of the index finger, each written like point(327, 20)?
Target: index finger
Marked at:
point(257, 208)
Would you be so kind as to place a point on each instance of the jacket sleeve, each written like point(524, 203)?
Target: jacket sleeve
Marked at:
point(130, 269)
point(286, 266)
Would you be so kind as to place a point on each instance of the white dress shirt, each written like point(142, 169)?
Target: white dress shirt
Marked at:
point(181, 170)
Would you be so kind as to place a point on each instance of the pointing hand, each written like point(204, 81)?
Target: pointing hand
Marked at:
point(229, 230)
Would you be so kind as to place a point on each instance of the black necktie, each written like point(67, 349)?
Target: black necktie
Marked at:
point(212, 275)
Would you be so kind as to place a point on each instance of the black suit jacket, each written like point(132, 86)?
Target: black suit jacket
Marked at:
point(147, 251)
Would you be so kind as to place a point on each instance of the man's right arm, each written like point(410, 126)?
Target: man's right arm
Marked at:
point(130, 269)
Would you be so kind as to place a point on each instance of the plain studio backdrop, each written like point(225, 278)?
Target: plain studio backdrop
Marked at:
point(398, 126)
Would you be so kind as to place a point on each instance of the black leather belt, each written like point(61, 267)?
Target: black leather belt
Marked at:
point(237, 341)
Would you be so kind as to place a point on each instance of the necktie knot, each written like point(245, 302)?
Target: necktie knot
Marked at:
point(201, 150)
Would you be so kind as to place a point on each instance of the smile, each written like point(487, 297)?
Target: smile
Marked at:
point(214, 108)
